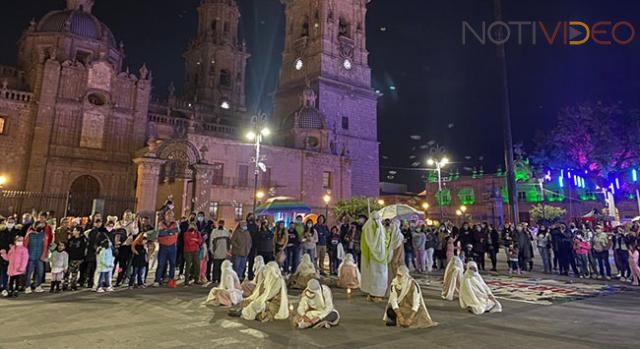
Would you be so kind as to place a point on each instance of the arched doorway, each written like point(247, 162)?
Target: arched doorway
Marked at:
point(177, 175)
point(83, 191)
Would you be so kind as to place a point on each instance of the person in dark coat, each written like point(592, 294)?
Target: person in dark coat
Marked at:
point(252, 226)
point(479, 245)
point(523, 242)
point(465, 236)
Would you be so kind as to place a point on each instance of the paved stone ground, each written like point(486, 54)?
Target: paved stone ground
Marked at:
point(165, 318)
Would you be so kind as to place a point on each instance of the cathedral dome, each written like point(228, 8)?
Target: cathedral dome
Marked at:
point(77, 22)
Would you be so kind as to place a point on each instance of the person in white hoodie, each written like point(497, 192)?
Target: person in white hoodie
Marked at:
point(219, 247)
point(59, 263)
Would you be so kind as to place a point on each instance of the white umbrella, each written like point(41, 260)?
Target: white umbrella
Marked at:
point(399, 211)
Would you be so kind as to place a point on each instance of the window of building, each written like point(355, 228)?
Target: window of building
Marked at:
point(466, 196)
point(237, 209)
point(225, 78)
point(443, 198)
point(214, 25)
point(343, 28)
point(226, 27)
point(345, 122)
point(214, 209)
point(327, 180)
point(83, 56)
point(3, 123)
point(218, 173)
point(243, 175)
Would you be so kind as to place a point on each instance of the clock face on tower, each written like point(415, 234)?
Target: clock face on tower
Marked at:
point(347, 64)
point(299, 64)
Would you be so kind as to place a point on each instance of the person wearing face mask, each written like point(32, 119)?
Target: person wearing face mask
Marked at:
point(27, 221)
point(205, 227)
point(76, 247)
point(323, 236)
point(254, 232)
point(219, 247)
point(315, 308)
point(407, 232)
point(37, 241)
point(5, 244)
point(292, 250)
point(480, 237)
point(240, 249)
point(167, 239)
point(523, 242)
point(17, 259)
point(406, 307)
point(357, 238)
point(309, 240)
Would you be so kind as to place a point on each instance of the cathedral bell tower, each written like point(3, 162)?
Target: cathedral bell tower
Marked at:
point(325, 43)
point(215, 61)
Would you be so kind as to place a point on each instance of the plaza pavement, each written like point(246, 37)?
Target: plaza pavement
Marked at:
point(163, 318)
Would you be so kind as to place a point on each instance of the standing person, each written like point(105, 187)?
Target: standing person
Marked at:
point(357, 237)
point(634, 256)
point(220, 249)
point(167, 253)
point(465, 237)
point(407, 239)
point(62, 232)
point(139, 250)
point(280, 244)
point(602, 245)
point(59, 263)
point(205, 227)
point(37, 242)
point(293, 249)
point(543, 241)
point(375, 256)
point(441, 246)
point(431, 241)
point(333, 242)
point(104, 266)
point(18, 259)
point(265, 242)
point(240, 248)
point(523, 242)
point(621, 251)
point(95, 236)
point(253, 229)
point(191, 249)
point(321, 246)
point(5, 245)
point(309, 240)
point(76, 248)
point(512, 258)
point(556, 238)
point(127, 231)
point(419, 239)
point(480, 237)
point(588, 236)
point(581, 248)
point(493, 246)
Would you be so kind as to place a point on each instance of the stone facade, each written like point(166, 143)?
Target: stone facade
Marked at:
point(76, 124)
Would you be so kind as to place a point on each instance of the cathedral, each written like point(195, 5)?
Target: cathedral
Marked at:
point(80, 132)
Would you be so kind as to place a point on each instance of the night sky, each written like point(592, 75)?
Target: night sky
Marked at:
point(445, 92)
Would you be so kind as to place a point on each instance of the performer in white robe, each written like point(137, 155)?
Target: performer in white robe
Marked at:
point(406, 307)
point(228, 293)
point(249, 285)
point(269, 300)
point(348, 273)
point(475, 295)
point(315, 308)
point(306, 271)
point(452, 278)
point(374, 246)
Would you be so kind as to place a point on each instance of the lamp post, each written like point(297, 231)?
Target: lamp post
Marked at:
point(439, 164)
point(258, 130)
point(327, 199)
point(3, 181)
point(425, 208)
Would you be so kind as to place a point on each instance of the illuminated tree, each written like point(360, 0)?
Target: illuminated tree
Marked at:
point(546, 214)
point(355, 207)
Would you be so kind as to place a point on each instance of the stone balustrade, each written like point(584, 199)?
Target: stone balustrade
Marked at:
point(15, 95)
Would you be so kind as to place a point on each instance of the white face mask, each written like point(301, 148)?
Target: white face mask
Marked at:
point(109, 229)
point(19, 243)
point(310, 225)
point(11, 225)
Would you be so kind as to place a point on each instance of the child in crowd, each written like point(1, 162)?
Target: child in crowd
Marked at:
point(18, 258)
point(139, 263)
point(203, 257)
point(634, 255)
point(104, 267)
point(59, 263)
point(512, 253)
point(581, 247)
point(76, 248)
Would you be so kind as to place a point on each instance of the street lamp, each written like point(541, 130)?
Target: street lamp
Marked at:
point(439, 164)
point(258, 130)
point(260, 195)
point(425, 206)
point(327, 200)
point(381, 202)
point(3, 181)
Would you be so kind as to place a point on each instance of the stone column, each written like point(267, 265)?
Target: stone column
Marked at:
point(202, 188)
point(147, 184)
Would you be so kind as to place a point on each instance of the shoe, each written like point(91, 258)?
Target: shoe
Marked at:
point(38, 290)
point(609, 278)
point(155, 284)
point(109, 289)
point(100, 290)
point(5, 293)
point(623, 279)
point(15, 294)
point(94, 289)
point(130, 287)
point(28, 290)
point(142, 286)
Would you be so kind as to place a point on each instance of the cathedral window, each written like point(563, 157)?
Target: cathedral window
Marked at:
point(214, 25)
point(305, 28)
point(83, 56)
point(343, 28)
point(2, 125)
point(345, 122)
point(226, 27)
point(326, 180)
point(243, 176)
point(225, 78)
point(218, 173)
point(96, 99)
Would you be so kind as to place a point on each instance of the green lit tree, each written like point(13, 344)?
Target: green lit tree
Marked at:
point(546, 214)
point(355, 206)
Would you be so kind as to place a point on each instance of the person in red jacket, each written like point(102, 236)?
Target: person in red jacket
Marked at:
point(192, 242)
